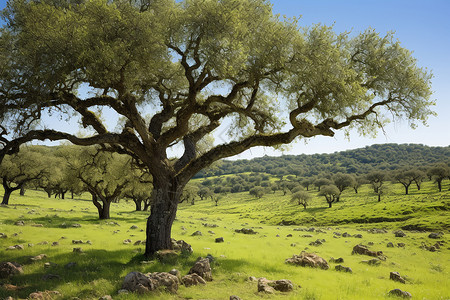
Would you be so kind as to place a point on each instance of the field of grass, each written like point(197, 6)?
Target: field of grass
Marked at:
point(103, 265)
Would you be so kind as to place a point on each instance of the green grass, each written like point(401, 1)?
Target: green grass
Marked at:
point(101, 268)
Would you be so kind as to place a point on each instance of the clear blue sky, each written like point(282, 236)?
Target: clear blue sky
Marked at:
point(421, 26)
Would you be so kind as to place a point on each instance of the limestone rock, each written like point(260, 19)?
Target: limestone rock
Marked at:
point(219, 240)
point(435, 235)
point(165, 255)
point(361, 249)
point(399, 293)
point(396, 277)
point(8, 269)
point(182, 246)
point(372, 262)
point(390, 245)
point(399, 233)
point(169, 281)
point(137, 282)
point(38, 257)
point(246, 231)
point(343, 269)
point(269, 286)
point(197, 233)
point(336, 260)
point(308, 260)
point(234, 297)
point(192, 279)
point(46, 295)
point(202, 268)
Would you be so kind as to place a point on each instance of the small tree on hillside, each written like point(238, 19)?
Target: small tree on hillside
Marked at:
point(302, 198)
point(330, 192)
point(405, 177)
point(419, 177)
point(19, 169)
point(438, 173)
point(359, 180)
point(257, 191)
point(322, 182)
point(376, 179)
point(306, 183)
point(342, 181)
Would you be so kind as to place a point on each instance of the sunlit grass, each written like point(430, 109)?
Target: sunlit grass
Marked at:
point(103, 265)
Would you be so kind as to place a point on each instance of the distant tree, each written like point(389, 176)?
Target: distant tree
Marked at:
point(302, 198)
point(319, 182)
point(257, 191)
point(204, 192)
point(21, 168)
point(104, 174)
point(405, 177)
point(190, 192)
point(137, 188)
point(376, 179)
point(330, 192)
point(419, 177)
point(306, 183)
point(382, 190)
point(359, 180)
point(342, 181)
point(438, 173)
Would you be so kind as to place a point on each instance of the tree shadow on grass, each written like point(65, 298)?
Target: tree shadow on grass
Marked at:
point(95, 273)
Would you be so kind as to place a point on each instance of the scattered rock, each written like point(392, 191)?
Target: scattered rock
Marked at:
point(401, 245)
point(192, 279)
point(399, 293)
point(246, 231)
point(343, 269)
point(432, 248)
point(269, 286)
point(202, 268)
point(289, 235)
point(137, 282)
point(16, 247)
point(211, 232)
point(361, 249)
point(345, 234)
point(317, 242)
point(399, 233)
point(358, 236)
point(435, 235)
point(182, 246)
point(76, 225)
point(123, 291)
point(55, 244)
point(308, 260)
point(210, 225)
point(3, 236)
point(50, 277)
point(30, 245)
point(77, 242)
point(127, 241)
point(307, 236)
point(197, 233)
point(8, 269)
point(234, 297)
point(137, 243)
point(169, 281)
point(50, 265)
point(19, 223)
point(77, 250)
point(372, 262)
point(339, 260)
point(43, 243)
point(219, 240)
point(106, 297)
point(38, 257)
point(134, 227)
point(396, 277)
point(46, 295)
point(143, 283)
point(390, 245)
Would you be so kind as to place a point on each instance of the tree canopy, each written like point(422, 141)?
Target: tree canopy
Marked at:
point(177, 71)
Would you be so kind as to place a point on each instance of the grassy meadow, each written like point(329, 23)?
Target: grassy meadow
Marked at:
point(105, 262)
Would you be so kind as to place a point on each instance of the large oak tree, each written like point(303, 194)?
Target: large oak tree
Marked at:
point(177, 72)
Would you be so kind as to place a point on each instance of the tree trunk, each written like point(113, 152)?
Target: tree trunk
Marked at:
point(379, 197)
point(147, 203)
point(406, 189)
point(22, 191)
point(162, 214)
point(439, 182)
point(138, 203)
point(6, 196)
point(329, 204)
point(103, 213)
